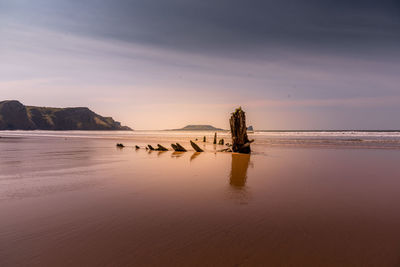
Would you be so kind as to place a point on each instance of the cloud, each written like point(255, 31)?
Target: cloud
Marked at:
point(224, 27)
point(16, 84)
point(356, 102)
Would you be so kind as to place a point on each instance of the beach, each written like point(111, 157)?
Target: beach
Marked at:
point(300, 199)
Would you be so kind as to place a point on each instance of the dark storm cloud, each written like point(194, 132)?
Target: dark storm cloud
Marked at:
point(226, 25)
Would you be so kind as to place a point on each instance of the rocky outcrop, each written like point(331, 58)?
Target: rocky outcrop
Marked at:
point(16, 116)
point(198, 128)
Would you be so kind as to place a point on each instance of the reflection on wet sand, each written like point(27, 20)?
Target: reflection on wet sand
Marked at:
point(195, 155)
point(177, 154)
point(239, 166)
point(160, 153)
point(82, 203)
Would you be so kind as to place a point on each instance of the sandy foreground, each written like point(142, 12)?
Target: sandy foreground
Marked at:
point(84, 202)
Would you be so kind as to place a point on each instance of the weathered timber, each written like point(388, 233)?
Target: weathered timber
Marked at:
point(225, 150)
point(239, 132)
point(180, 148)
point(161, 148)
point(215, 139)
point(150, 147)
point(196, 147)
point(245, 147)
point(204, 139)
point(221, 142)
point(174, 147)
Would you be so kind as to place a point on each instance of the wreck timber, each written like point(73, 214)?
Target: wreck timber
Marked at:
point(196, 147)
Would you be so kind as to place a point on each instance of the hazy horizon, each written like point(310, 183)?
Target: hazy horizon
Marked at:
point(291, 65)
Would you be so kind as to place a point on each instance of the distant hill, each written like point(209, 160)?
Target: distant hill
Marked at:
point(198, 128)
point(15, 116)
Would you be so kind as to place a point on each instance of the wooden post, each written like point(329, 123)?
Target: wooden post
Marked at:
point(240, 141)
point(215, 139)
point(196, 147)
point(161, 148)
point(180, 148)
point(150, 147)
point(174, 147)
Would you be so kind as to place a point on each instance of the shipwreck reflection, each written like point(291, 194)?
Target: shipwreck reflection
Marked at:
point(177, 154)
point(194, 155)
point(160, 153)
point(239, 166)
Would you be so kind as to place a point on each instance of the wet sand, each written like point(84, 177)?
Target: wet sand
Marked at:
point(84, 202)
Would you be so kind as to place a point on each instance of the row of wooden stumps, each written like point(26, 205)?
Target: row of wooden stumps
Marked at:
point(177, 147)
point(220, 142)
point(240, 140)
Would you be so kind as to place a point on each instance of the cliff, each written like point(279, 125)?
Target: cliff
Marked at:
point(15, 116)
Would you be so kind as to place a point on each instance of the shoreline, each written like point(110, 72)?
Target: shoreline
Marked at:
point(263, 140)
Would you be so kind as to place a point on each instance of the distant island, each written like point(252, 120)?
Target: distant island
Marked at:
point(198, 128)
point(15, 116)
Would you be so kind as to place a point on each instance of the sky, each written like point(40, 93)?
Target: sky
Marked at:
point(162, 64)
